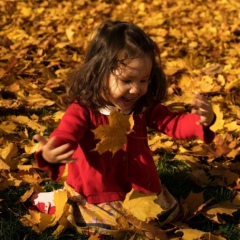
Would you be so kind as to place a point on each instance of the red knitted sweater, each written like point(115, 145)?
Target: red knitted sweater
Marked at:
point(103, 178)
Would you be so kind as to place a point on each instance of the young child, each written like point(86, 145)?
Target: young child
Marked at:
point(120, 72)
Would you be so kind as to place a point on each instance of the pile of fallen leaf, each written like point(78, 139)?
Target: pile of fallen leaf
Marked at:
point(40, 41)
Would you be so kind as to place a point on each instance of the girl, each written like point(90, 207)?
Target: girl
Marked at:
point(120, 73)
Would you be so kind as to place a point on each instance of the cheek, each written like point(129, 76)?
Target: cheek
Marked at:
point(112, 84)
point(144, 89)
point(116, 89)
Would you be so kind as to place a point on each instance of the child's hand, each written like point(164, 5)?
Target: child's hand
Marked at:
point(54, 154)
point(203, 108)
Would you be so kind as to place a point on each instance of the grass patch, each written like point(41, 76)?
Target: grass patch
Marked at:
point(11, 212)
point(175, 175)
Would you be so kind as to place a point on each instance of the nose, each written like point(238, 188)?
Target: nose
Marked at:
point(134, 88)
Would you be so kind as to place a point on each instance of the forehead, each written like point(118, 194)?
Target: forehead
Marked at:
point(136, 67)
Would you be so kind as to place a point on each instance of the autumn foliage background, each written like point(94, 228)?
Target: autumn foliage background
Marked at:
point(40, 41)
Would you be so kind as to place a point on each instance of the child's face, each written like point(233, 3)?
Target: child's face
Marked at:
point(129, 82)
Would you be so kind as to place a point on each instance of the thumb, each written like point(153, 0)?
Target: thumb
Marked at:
point(40, 139)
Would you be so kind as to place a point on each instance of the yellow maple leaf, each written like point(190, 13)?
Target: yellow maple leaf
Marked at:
point(38, 101)
point(222, 208)
point(31, 219)
point(40, 221)
point(190, 161)
point(24, 167)
point(7, 127)
point(236, 200)
point(26, 195)
point(37, 188)
point(8, 154)
point(69, 33)
point(153, 139)
point(218, 125)
point(9, 151)
point(212, 237)
point(190, 233)
point(119, 126)
point(213, 212)
point(122, 222)
point(174, 66)
point(141, 205)
point(27, 121)
point(9, 180)
point(26, 11)
point(31, 147)
point(58, 115)
point(30, 176)
point(206, 84)
point(63, 222)
point(47, 220)
point(185, 82)
point(4, 166)
point(232, 126)
point(60, 199)
point(94, 236)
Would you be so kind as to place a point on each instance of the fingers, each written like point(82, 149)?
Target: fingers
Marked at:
point(201, 101)
point(40, 139)
point(203, 116)
point(62, 156)
point(68, 160)
point(61, 152)
point(200, 111)
point(54, 154)
point(203, 108)
point(50, 144)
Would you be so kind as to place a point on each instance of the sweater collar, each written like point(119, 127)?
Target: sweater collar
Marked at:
point(107, 110)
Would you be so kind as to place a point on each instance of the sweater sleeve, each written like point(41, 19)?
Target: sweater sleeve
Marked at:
point(178, 125)
point(70, 130)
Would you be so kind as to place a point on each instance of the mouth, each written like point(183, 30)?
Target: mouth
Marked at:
point(127, 102)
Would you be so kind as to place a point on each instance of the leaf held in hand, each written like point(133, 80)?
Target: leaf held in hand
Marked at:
point(113, 136)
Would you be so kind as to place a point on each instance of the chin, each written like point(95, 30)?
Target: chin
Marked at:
point(129, 109)
point(123, 108)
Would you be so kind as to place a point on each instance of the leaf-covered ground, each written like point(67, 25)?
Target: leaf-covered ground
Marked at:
point(40, 41)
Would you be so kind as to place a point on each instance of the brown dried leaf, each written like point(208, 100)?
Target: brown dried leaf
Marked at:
point(193, 203)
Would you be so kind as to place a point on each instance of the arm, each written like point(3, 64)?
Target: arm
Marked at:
point(185, 125)
point(58, 150)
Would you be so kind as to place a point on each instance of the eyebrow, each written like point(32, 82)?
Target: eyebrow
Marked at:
point(132, 76)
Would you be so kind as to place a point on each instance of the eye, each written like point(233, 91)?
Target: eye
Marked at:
point(125, 81)
point(144, 81)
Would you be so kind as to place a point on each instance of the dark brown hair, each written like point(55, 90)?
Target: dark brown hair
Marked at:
point(88, 85)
